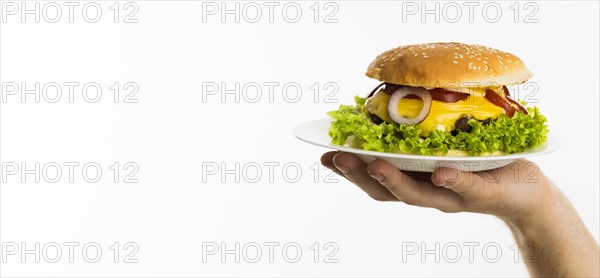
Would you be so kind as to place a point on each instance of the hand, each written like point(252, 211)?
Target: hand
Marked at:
point(534, 209)
point(515, 192)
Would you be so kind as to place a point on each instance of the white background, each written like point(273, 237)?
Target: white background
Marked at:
point(173, 131)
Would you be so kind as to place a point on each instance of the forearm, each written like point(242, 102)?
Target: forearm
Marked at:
point(556, 241)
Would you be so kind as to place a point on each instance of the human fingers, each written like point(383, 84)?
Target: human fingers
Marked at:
point(327, 161)
point(411, 191)
point(477, 193)
point(355, 170)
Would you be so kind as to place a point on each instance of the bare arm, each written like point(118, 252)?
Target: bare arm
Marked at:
point(561, 243)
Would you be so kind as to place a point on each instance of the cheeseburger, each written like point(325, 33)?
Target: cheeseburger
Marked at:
point(442, 99)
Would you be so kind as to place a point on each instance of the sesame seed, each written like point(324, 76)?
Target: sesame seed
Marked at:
point(454, 62)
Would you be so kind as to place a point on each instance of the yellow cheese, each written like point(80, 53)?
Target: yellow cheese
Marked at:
point(378, 105)
point(410, 108)
point(444, 114)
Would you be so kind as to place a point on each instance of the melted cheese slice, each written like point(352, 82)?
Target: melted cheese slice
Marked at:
point(378, 105)
point(443, 115)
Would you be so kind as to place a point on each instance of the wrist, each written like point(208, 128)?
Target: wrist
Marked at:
point(562, 246)
point(552, 207)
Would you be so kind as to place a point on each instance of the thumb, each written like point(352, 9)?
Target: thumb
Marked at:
point(466, 184)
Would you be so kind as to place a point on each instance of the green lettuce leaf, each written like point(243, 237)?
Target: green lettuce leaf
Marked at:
point(506, 134)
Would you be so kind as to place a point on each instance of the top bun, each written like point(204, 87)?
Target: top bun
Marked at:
point(448, 65)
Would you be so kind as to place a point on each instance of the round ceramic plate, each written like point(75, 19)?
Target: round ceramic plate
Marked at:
point(315, 132)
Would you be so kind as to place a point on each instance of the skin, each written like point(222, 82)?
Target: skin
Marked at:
point(551, 235)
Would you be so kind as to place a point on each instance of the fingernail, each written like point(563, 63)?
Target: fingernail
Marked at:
point(344, 170)
point(378, 177)
point(441, 183)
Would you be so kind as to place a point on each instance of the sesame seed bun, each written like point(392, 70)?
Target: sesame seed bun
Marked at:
point(448, 65)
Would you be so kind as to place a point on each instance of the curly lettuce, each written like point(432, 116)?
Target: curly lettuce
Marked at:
point(508, 135)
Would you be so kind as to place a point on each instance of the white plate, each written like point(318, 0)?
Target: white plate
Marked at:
point(315, 132)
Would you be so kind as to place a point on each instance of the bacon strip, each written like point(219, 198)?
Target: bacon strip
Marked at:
point(438, 94)
point(506, 91)
point(499, 101)
point(517, 105)
point(444, 95)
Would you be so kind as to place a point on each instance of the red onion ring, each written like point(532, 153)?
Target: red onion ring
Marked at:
point(403, 92)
